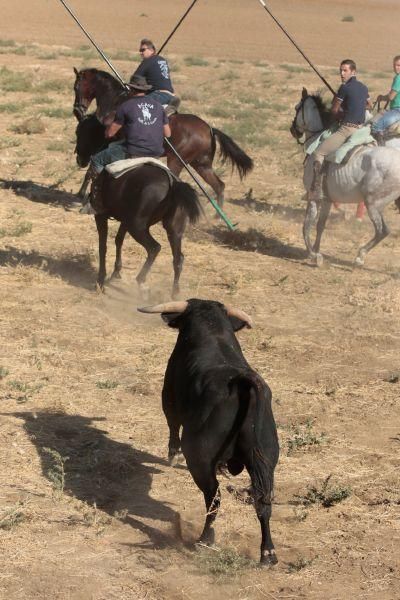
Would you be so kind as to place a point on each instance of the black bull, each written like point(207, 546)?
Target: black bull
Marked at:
point(223, 407)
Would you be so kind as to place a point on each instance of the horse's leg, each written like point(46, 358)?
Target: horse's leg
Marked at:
point(309, 221)
point(175, 228)
point(381, 231)
point(119, 240)
point(143, 237)
point(208, 174)
point(102, 230)
point(323, 215)
point(85, 183)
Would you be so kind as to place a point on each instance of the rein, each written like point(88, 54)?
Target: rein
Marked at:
point(295, 128)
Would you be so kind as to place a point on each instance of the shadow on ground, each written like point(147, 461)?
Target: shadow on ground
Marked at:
point(40, 193)
point(281, 210)
point(76, 270)
point(253, 240)
point(98, 470)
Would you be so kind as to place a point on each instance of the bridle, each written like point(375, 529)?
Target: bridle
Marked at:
point(294, 129)
point(84, 94)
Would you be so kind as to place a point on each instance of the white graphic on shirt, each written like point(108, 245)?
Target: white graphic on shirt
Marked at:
point(164, 68)
point(146, 109)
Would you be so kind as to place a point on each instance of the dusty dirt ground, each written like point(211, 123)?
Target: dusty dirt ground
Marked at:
point(89, 508)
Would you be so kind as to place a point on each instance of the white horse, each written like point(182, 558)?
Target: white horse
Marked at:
point(372, 175)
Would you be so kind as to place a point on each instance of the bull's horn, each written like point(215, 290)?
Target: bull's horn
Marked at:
point(240, 314)
point(167, 307)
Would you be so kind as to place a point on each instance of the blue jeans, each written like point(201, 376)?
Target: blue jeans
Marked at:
point(161, 97)
point(115, 151)
point(387, 119)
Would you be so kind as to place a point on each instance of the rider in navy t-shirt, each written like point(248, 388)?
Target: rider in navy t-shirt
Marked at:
point(156, 70)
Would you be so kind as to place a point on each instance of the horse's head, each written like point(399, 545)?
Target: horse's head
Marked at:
point(310, 118)
point(89, 139)
point(85, 91)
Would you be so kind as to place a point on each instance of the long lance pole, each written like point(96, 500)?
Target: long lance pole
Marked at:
point(297, 47)
point(99, 50)
point(176, 27)
point(215, 205)
point(201, 186)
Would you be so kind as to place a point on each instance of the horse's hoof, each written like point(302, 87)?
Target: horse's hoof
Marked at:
point(319, 260)
point(207, 539)
point(175, 458)
point(116, 275)
point(359, 262)
point(268, 560)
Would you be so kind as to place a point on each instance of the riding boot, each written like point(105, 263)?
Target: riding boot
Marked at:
point(316, 185)
point(92, 203)
point(379, 136)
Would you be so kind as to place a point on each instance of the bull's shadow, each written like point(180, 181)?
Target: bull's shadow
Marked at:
point(76, 270)
point(113, 475)
point(37, 192)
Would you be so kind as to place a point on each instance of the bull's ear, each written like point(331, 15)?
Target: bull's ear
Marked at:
point(238, 324)
point(171, 319)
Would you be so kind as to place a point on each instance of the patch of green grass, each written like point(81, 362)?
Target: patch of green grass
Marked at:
point(55, 470)
point(12, 81)
point(51, 85)
point(299, 565)
point(192, 95)
point(107, 384)
point(7, 43)
point(12, 516)
point(29, 127)
point(123, 55)
point(56, 113)
point(325, 494)
point(58, 146)
point(222, 112)
point(42, 100)
point(380, 75)
point(48, 56)
point(348, 19)
point(18, 230)
point(8, 142)
point(20, 50)
point(293, 68)
point(223, 563)
point(195, 61)
point(12, 107)
point(3, 372)
point(302, 436)
point(229, 76)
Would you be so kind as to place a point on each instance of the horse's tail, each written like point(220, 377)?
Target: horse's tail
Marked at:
point(186, 198)
point(231, 151)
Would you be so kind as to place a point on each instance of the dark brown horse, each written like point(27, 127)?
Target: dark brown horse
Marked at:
point(192, 137)
point(139, 199)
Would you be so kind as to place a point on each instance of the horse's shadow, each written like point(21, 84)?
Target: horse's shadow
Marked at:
point(76, 270)
point(113, 476)
point(253, 240)
point(282, 210)
point(40, 193)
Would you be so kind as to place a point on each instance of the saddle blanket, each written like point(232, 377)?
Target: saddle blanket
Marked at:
point(360, 137)
point(120, 167)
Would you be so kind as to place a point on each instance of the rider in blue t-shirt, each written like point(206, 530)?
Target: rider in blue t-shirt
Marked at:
point(389, 117)
point(144, 125)
point(156, 70)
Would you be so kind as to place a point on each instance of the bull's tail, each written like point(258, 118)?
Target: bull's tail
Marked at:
point(229, 150)
point(185, 197)
point(254, 394)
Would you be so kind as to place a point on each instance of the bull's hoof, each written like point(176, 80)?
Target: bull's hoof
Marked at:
point(206, 539)
point(268, 560)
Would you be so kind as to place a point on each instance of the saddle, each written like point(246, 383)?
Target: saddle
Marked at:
point(120, 167)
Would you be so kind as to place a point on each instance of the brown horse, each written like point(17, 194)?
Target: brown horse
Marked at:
point(192, 137)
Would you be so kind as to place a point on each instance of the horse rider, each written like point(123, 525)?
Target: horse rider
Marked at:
point(144, 125)
point(348, 107)
point(156, 70)
point(391, 116)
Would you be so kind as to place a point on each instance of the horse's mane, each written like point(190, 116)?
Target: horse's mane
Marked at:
point(106, 78)
point(323, 110)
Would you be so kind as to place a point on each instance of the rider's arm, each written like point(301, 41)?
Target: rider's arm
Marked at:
point(112, 129)
point(387, 97)
point(336, 109)
point(167, 131)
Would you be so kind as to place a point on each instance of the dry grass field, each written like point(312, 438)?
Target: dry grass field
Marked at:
point(89, 508)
